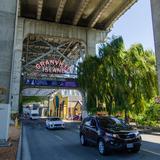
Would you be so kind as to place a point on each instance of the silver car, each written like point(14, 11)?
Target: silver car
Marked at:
point(54, 122)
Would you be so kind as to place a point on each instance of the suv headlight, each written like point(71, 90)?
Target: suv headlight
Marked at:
point(138, 135)
point(112, 135)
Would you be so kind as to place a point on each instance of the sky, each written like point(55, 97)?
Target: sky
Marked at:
point(135, 26)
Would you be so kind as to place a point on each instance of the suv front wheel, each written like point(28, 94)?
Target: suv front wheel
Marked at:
point(101, 147)
point(83, 140)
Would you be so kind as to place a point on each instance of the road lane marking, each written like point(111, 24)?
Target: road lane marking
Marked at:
point(146, 150)
point(59, 137)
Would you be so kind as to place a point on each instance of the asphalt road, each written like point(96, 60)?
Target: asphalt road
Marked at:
point(42, 144)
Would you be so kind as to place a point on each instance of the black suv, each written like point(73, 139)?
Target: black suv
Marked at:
point(109, 133)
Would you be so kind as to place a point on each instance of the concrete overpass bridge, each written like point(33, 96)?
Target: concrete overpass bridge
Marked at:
point(37, 36)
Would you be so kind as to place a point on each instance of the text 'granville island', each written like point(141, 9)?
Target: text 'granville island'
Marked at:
point(52, 66)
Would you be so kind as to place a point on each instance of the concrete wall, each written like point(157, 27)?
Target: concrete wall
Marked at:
point(155, 7)
point(7, 28)
point(89, 36)
point(4, 121)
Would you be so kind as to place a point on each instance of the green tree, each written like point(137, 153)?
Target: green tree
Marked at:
point(122, 79)
point(87, 78)
point(110, 72)
point(139, 79)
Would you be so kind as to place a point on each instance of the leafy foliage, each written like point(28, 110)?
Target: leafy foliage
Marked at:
point(123, 80)
point(30, 99)
point(151, 115)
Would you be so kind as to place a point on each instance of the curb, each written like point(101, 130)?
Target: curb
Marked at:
point(149, 132)
point(25, 152)
point(72, 125)
point(19, 151)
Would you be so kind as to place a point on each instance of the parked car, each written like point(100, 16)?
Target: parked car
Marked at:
point(109, 134)
point(54, 122)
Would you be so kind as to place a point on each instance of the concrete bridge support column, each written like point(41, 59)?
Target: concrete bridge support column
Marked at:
point(7, 29)
point(16, 67)
point(92, 38)
point(155, 6)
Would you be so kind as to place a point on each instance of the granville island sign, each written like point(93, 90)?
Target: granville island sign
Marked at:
point(52, 66)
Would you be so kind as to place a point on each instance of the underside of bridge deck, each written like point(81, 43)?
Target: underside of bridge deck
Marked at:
point(98, 14)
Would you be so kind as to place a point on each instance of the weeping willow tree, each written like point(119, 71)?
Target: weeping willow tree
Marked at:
point(88, 80)
point(110, 72)
point(139, 79)
point(122, 79)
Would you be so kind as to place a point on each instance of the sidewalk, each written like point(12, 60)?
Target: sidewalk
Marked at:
point(146, 129)
point(9, 153)
point(149, 131)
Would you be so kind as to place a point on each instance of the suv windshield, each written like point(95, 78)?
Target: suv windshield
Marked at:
point(111, 122)
point(54, 119)
point(34, 114)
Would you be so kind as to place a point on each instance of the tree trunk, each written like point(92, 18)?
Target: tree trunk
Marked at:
point(110, 109)
point(97, 105)
point(126, 116)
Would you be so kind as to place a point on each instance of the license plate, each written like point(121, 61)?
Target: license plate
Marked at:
point(130, 145)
